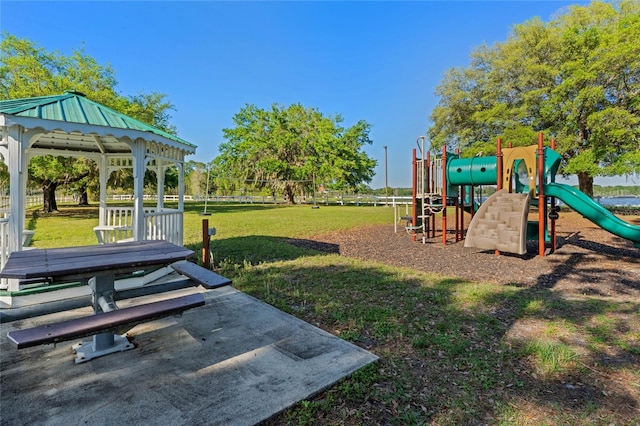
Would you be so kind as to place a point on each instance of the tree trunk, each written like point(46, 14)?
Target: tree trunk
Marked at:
point(585, 183)
point(83, 197)
point(49, 196)
point(288, 194)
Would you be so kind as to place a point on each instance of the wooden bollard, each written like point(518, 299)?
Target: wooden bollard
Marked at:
point(206, 251)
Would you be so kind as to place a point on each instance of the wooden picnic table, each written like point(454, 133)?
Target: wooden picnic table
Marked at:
point(71, 263)
point(98, 265)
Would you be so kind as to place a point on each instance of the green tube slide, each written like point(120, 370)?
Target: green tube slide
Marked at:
point(583, 204)
point(472, 171)
point(484, 170)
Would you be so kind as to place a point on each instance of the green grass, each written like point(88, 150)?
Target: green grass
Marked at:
point(74, 227)
point(448, 355)
point(551, 357)
point(231, 221)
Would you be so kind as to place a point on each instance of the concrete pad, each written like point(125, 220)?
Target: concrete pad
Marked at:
point(234, 361)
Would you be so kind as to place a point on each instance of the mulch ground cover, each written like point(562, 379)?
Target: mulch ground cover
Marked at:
point(588, 260)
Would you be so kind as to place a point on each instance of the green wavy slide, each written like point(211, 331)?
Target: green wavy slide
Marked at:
point(583, 204)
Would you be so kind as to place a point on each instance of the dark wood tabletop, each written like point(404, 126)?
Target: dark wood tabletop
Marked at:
point(86, 261)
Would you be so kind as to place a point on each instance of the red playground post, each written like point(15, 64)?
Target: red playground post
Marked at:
point(444, 195)
point(553, 214)
point(499, 171)
point(414, 218)
point(541, 198)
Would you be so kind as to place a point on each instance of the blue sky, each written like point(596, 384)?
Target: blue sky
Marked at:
point(375, 61)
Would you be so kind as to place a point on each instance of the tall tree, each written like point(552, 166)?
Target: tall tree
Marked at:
point(289, 149)
point(27, 70)
point(51, 172)
point(576, 78)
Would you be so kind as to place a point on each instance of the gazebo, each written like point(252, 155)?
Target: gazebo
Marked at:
point(72, 125)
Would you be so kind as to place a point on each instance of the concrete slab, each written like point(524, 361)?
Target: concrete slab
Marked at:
point(234, 361)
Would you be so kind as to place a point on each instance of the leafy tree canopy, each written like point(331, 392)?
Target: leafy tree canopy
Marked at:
point(575, 78)
point(290, 148)
point(27, 70)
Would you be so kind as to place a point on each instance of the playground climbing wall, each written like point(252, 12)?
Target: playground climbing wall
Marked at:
point(501, 223)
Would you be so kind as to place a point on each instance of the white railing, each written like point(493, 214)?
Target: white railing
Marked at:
point(164, 225)
point(118, 216)
point(4, 241)
point(118, 225)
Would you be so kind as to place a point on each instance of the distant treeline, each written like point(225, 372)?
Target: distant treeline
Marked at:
point(598, 191)
point(615, 191)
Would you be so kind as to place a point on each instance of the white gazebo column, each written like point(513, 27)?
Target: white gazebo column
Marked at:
point(103, 176)
point(138, 149)
point(160, 171)
point(180, 166)
point(17, 165)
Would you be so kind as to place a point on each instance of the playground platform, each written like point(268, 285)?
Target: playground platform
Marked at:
point(234, 361)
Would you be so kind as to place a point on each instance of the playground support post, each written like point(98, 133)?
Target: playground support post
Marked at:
point(499, 156)
point(444, 195)
point(554, 213)
point(472, 197)
point(414, 217)
point(499, 171)
point(430, 225)
point(460, 216)
point(541, 198)
point(459, 206)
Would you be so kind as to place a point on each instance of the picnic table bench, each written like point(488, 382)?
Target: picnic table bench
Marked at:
point(102, 321)
point(99, 265)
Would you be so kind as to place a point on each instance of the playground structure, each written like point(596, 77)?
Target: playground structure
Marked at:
point(523, 177)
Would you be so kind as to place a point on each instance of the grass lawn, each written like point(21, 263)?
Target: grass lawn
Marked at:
point(448, 356)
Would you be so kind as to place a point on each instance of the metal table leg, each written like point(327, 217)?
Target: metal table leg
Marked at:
point(102, 343)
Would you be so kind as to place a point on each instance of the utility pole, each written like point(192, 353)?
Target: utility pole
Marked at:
point(386, 177)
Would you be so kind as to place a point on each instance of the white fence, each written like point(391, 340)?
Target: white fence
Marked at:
point(35, 200)
point(129, 197)
point(342, 200)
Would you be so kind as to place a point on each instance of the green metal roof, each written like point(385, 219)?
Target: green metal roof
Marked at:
point(74, 107)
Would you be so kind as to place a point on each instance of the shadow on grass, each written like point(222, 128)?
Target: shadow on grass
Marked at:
point(442, 361)
point(84, 212)
point(595, 326)
point(33, 221)
point(214, 208)
point(257, 249)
